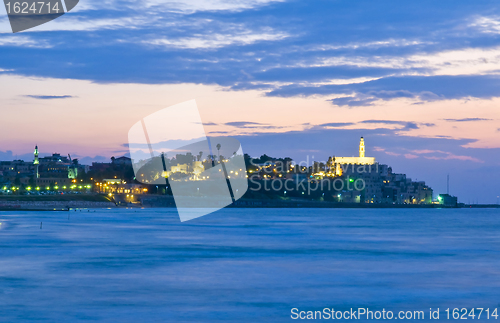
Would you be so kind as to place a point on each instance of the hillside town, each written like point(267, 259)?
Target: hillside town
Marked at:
point(360, 180)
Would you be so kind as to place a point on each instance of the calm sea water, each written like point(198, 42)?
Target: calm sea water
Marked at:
point(243, 265)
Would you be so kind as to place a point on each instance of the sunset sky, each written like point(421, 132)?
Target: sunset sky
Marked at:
point(420, 80)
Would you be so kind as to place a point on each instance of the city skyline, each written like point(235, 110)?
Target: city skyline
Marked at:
point(311, 160)
point(418, 81)
point(191, 175)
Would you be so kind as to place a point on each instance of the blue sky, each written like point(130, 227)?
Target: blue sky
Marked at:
point(419, 79)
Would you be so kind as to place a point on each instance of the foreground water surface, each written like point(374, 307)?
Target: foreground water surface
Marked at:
point(243, 265)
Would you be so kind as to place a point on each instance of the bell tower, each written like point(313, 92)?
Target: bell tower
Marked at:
point(362, 148)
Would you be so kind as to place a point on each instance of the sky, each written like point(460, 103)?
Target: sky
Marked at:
point(420, 80)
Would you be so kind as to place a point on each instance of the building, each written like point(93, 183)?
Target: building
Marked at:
point(447, 200)
point(55, 158)
point(17, 172)
point(100, 167)
point(380, 184)
point(361, 160)
point(336, 165)
point(45, 182)
point(16, 167)
point(61, 170)
point(118, 186)
point(195, 169)
point(122, 161)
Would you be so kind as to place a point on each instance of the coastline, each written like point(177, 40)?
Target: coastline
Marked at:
point(66, 203)
point(53, 202)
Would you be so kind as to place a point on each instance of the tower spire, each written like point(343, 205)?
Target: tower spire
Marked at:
point(362, 147)
point(36, 162)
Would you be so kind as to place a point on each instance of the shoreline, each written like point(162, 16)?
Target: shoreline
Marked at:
point(97, 201)
point(53, 203)
point(168, 202)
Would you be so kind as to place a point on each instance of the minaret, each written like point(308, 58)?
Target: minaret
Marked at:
point(36, 162)
point(362, 148)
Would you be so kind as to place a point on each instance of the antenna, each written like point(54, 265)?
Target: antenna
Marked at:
point(448, 184)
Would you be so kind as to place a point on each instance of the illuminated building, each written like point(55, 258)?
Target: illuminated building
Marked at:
point(196, 168)
point(447, 200)
point(336, 165)
point(381, 185)
point(55, 169)
point(337, 162)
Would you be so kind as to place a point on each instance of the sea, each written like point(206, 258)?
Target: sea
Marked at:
point(247, 265)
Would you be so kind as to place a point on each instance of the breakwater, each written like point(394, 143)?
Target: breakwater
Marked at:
point(51, 205)
point(168, 201)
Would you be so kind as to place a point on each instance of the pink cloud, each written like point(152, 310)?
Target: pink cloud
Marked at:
point(427, 151)
point(451, 156)
point(446, 155)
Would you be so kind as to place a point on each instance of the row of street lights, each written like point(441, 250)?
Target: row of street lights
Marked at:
point(48, 188)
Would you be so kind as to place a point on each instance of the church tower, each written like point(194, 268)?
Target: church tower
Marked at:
point(36, 162)
point(362, 147)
